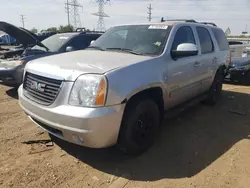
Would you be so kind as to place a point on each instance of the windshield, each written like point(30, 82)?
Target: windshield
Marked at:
point(139, 39)
point(53, 43)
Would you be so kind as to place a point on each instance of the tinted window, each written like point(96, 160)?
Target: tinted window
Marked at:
point(141, 39)
point(82, 41)
point(79, 42)
point(183, 35)
point(221, 39)
point(205, 40)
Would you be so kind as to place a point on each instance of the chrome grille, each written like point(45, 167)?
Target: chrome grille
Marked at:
point(41, 89)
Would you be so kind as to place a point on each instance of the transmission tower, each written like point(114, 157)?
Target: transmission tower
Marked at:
point(150, 13)
point(72, 10)
point(22, 20)
point(101, 14)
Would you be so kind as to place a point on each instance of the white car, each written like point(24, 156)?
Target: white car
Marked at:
point(116, 91)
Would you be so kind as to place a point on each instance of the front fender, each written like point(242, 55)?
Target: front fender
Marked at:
point(127, 81)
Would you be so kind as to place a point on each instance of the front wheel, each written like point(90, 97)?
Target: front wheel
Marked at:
point(215, 90)
point(246, 79)
point(139, 126)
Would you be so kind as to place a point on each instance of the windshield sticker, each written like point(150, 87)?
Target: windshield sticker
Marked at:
point(65, 38)
point(158, 27)
point(157, 43)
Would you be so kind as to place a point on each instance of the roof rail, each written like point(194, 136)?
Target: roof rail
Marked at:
point(189, 20)
point(209, 23)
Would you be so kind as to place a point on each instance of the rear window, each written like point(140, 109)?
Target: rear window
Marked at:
point(205, 40)
point(221, 39)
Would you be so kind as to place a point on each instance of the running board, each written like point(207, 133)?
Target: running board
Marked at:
point(173, 112)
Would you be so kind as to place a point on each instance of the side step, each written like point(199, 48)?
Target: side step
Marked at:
point(173, 112)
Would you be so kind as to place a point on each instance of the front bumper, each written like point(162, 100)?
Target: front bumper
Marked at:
point(235, 75)
point(12, 76)
point(90, 127)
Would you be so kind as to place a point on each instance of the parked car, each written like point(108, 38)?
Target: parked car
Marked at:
point(239, 69)
point(116, 91)
point(45, 34)
point(11, 72)
point(24, 39)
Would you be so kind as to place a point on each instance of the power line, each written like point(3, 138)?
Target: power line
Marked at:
point(22, 20)
point(101, 14)
point(150, 13)
point(72, 10)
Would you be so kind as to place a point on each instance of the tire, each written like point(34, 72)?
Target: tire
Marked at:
point(246, 79)
point(215, 91)
point(139, 126)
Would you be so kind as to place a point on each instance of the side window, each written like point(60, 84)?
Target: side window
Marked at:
point(183, 35)
point(221, 39)
point(79, 43)
point(205, 40)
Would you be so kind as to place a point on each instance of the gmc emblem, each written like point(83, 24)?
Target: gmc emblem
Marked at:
point(37, 86)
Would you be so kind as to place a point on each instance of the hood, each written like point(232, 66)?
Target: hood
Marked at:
point(24, 36)
point(240, 61)
point(68, 66)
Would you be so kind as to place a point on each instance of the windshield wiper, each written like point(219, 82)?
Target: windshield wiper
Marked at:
point(96, 47)
point(125, 50)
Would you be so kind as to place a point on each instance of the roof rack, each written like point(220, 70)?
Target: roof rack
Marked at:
point(209, 23)
point(190, 21)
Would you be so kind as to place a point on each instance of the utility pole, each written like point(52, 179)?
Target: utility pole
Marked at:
point(22, 20)
point(73, 13)
point(101, 14)
point(150, 13)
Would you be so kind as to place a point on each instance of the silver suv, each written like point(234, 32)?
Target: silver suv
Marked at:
point(116, 91)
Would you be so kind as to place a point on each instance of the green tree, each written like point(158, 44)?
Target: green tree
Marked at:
point(65, 29)
point(34, 30)
point(52, 29)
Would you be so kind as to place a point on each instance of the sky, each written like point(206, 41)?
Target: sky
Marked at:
point(42, 14)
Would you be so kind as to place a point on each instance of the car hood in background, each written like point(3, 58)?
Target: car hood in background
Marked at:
point(24, 36)
point(68, 66)
point(240, 61)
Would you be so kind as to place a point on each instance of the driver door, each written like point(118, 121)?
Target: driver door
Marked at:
point(180, 72)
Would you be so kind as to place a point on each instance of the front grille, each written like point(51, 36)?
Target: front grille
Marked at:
point(41, 89)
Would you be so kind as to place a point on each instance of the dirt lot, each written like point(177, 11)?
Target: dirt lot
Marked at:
point(203, 147)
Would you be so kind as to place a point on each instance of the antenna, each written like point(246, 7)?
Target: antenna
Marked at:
point(73, 15)
point(101, 14)
point(150, 13)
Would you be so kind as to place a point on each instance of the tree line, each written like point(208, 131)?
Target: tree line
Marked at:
point(60, 29)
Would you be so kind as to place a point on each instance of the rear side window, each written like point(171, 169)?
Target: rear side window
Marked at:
point(221, 39)
point(183, 35)
point(205, 40)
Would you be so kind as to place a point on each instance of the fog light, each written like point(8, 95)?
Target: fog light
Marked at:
point(78, 139)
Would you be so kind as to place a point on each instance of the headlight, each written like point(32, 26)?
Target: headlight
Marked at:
point(89, 90)
point(245, 67)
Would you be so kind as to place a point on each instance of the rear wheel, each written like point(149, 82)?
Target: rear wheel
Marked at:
point(139, 126)
point(215, 90)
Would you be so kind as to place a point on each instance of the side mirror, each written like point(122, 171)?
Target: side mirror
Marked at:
point(69, 49)
point(185, 50)
point(92, 42)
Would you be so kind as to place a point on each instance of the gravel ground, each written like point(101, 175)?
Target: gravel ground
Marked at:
point(203, 147)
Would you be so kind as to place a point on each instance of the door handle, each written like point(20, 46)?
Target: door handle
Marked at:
point(196, 64)
point(215, 60)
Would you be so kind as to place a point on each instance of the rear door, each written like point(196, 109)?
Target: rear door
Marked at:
point(207, 58)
